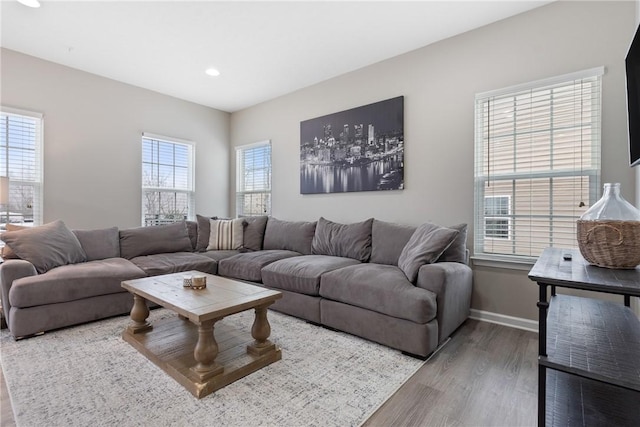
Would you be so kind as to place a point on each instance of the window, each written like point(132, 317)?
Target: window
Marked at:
point(253, 184)
point(21, 162)
point(497, 221)
point(167, 180)
point(537, 164)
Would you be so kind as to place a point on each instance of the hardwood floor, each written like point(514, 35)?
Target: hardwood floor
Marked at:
point(485, 376)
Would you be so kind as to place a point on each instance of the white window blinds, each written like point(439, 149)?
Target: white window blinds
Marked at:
point(21, 161)
point(167, 180)
point(253, 183)
point(537, 164)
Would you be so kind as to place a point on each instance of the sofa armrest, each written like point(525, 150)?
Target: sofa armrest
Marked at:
point(452, 283)
point(10, 270)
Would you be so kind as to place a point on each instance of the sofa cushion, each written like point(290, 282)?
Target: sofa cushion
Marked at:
point(427, 243)
point(457, 251)
point(218, 255)
point(73, 282)
point(343, 240)
point(47, 246)
point(248, 265)
point(380, 288)
point(302, 274)
point(225, 234)
point(387, 241)
point(157, 239)
point(289, 235)
point(254, 229)
point(99, 244)
point(175, 262)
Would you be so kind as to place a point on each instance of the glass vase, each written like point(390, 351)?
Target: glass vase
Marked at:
point(609, 231)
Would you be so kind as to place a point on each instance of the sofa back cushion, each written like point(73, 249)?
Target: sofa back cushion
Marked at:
point(289, 235)
point(387, 241)
point(192, 231)
point(254, 229)
point(156, 239)
point(425, 246)
point(99, 244)
point(47, 246)
point(343, 240)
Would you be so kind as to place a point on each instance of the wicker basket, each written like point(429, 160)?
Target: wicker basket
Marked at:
point(610, 243)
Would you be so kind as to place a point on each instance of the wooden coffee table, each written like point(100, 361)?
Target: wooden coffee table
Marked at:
point(185, 346)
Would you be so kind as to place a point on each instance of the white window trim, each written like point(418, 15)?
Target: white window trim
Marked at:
point(39, 218)
point(191, 194)
point(522, 262)
point(241, 148)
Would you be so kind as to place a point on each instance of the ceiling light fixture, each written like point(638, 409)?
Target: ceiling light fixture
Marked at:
point(212, 72)
point(30, 3)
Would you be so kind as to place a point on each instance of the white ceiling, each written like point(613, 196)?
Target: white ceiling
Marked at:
point(263, 49)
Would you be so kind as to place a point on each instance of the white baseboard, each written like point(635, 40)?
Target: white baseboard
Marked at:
point(502, 319)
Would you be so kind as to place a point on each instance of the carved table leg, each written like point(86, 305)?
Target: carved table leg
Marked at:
point(206, 352)
point(139, 314)
point(260, 331)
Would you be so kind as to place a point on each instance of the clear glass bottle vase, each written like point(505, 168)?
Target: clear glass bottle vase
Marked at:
point(611, 206)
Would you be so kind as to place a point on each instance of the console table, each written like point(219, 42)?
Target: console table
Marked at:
point(589, 349)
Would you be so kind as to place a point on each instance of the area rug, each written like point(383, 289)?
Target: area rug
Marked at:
point(88, 376)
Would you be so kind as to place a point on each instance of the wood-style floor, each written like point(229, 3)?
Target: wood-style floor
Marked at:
point(485, 376)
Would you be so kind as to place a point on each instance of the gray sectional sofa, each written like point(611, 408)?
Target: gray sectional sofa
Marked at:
point(405, 287)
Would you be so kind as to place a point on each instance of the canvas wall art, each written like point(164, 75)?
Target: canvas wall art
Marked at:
point(361, 149)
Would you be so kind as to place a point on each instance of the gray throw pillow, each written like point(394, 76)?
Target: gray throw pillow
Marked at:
point(99, 244)
point(156, 239)
point(289, 235)
point(343, 240)
point(426, 245)
point(46, 247)
point(202, 240)
point(457, 252)
point(254, 232)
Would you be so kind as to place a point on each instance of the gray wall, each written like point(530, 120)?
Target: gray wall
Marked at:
point(92, 146)
point(439, 83)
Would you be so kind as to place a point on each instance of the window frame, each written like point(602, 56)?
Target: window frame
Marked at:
point(240, 172)
point(38, 185)
point(189, 192)
point(498, 216)
point(590, 172)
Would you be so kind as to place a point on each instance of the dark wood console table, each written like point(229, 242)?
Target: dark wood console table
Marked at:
point(589, 349)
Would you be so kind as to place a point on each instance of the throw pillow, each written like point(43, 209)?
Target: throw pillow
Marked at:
point(47, 246)
point(225, 234)
point(7, 252)
point(156, 239)
point(425, 246)
point(99, 244)
point(254, 232)
point(457, 252)
point(343, 240)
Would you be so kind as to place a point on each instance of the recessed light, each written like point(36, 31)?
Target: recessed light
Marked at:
point(30, 3)
point(212, 72)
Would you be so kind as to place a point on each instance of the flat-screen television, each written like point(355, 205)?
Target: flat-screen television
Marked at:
point(633, 99)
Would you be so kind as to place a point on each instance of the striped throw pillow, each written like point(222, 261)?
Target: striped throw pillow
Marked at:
point(225, 234)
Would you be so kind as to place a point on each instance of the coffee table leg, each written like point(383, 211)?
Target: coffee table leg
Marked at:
point(206, 352)
point(139, 314)
point(260, 331)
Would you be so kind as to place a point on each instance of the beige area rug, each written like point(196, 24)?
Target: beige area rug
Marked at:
point(88, 376)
